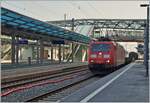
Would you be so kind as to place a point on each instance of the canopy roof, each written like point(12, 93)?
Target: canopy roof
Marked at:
point(16, 21)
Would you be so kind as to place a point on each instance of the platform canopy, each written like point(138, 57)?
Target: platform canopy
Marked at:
point(26, 26)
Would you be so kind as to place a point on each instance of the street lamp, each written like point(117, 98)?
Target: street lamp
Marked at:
point(73, 20)
point(146, 41)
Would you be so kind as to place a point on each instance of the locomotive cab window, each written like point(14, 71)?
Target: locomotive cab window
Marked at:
point(100, 47)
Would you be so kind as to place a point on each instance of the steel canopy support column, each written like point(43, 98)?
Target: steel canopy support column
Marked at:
point(37, 59)
point(41, 51)
point(145, 47)
point(13, 49)
point(17, 50)
point(63, 52)
point(55, 55)
point(59, 53)
point(51, 53)
point(72, 47)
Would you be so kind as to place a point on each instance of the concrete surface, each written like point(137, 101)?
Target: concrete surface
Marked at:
point(131, 86)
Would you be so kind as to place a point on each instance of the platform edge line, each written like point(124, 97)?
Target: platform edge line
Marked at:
point(90, 96)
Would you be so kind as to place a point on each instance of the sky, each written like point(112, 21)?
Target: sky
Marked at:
point(47, 10)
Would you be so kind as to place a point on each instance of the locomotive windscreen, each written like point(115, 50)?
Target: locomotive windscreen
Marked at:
point(100, 47)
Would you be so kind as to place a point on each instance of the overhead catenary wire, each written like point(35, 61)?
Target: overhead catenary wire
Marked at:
point(78, 7)
point(80, 10)
point(24, 9)
point(96, 10)
point(99, 13)
point(47, 8)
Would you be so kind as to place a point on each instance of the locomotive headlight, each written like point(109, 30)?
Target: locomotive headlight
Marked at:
point(93, 56)
point(108, 61)
point(92, 61)
point(100, 53)
point(106, 56)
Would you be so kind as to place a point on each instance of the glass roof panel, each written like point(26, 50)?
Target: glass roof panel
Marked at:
point(19, 21)
point(9, 17)
point(12, 23)
point(13, 15)
point(6, 17)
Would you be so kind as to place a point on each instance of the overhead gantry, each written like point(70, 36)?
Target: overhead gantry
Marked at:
point(128, 30)
point(134, 24)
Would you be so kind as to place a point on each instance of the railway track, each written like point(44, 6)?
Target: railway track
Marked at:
point(75, 76)
point(60, 93)
point(47, 86)
point(24, 81)
point(57, 95)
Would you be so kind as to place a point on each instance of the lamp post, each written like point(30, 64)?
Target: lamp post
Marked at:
point(72, 42)
point(146, 40)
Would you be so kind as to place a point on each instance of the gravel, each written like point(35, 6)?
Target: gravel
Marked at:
point(63, 93)
point(27, 94)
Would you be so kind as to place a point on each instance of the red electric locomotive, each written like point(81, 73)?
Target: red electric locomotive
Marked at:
point(105, 56)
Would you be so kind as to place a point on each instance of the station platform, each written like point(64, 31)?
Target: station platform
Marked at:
point(11, 74)
point(128, 84)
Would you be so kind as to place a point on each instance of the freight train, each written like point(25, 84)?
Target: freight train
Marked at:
point(105, 56)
